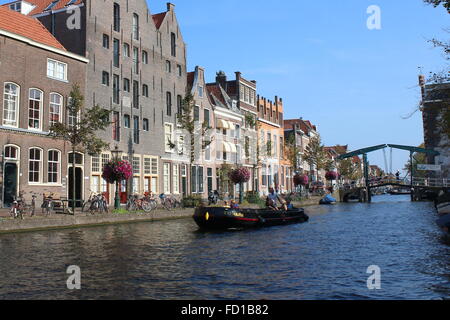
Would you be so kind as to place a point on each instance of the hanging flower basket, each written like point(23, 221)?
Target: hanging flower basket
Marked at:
point(331, 175)
point(300, 180)
point(241, 175)
point(116, 171)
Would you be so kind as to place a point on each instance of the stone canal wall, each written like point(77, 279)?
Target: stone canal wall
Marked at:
point(59, 221)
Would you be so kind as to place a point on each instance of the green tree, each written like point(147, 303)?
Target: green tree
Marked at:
point(292, 152)
point(315, 155)
point(81, 130)
point(350, 170)
point(436, 3)
point(187, 121)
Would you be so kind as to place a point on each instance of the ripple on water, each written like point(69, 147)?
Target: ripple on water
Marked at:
point(326, 258)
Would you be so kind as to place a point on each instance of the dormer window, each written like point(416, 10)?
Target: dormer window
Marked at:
point(16, 6)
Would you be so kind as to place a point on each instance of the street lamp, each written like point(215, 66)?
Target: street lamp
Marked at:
point(116, 153)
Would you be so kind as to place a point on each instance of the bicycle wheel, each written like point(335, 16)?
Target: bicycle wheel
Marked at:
point(168, 205)
point(86, 205)
point(146, 206)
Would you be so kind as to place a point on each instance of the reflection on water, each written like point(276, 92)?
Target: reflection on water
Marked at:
point(326, 258)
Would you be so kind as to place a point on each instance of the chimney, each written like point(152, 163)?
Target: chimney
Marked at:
point(170, 7)
point(221, 78)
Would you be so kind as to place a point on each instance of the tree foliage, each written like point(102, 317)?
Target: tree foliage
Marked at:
point(436, 3)
point(315, 155)
point(82, 125)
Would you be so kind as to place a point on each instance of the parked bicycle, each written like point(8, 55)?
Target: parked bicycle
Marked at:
point(47, 204)
point(169, 202)
point(136, 204)
point(97, 203)
point(21, 208)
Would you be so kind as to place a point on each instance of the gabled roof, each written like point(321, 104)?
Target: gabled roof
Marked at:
point(41, 5)
point(31, 28)
point(159, 19)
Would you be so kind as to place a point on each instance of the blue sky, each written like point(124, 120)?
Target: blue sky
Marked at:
point(320, 57)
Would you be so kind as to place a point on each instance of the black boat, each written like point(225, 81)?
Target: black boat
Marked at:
point(216, 218)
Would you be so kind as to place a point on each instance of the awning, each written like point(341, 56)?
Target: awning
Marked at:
point(229, 147)
point(226, 147)
point(222, 124)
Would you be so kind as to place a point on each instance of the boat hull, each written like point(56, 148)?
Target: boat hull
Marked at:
point(224, 218)
point(444, 208)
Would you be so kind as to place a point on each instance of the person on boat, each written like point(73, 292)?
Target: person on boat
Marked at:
point(272, 201)
point(398, 175)
point(234, 205)
point(289, 205)
point(226, 204)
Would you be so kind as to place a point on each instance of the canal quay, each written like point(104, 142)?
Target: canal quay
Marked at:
point(326, 258)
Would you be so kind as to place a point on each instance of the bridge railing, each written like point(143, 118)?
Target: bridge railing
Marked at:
point(431, 182)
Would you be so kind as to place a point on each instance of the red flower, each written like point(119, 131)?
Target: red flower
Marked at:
point(116, 171)
point(241, 175)
point(301, 180)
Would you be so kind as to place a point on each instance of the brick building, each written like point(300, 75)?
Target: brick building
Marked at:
point(136, 70)
point(271, 146)
point(435, 109)
point(37, 74)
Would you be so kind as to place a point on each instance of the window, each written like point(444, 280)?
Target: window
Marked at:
point(56, 70)
point(168, 66)
point(200, 91)
point(207, 118)
point(144, 57)
point(238, 131)
point(196, 113)
point(176, 179)
point(135, 26)
point(11, 153)
point(116, 55)
point(105, 78)
point(173, 46)
point(135, 94)
point(126, 50)
point(11, 96)
point(116, 13)
point(126, 121)
point(180, 71)
point(105, 41)
point(145, 125)
point(179, 104)
point(169, 104)
point(168, 133)
point(136, 60)
point(34, 165)
point(145, 90)
point(116, 126)
point(56, 101)
point(72, 118)
point(136, 130)
point(16, 6)
point(54, 160)
point(166, 178)
point(126, 85)
point(116, 89)
point(34, 109)
point(194, 180)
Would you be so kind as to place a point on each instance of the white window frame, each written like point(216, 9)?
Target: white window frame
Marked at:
point(40, 110)
point(40, 162)
point(52, 94)
point(9, 122)
point(54, 75)
point(58, 166)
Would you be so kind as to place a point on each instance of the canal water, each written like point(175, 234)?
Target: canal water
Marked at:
point(326, 258)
